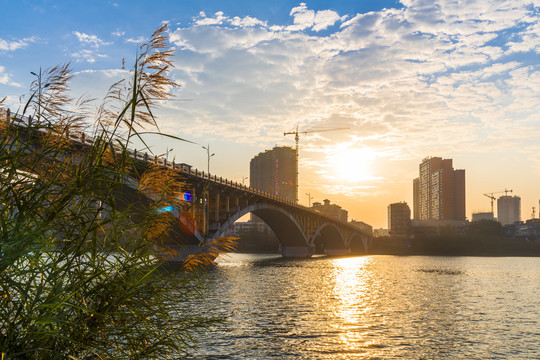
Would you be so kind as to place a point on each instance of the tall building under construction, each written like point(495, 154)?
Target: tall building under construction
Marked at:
point(274, 172)
point(439, 191)
point(508, 209)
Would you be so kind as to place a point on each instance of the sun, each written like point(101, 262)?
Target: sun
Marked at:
point(353, 165)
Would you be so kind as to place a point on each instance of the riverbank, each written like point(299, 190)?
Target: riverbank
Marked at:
point(455, 246)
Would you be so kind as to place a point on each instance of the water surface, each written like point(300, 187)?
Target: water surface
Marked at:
point(373, 307)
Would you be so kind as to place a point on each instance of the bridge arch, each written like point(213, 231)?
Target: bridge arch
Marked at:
point(358, 243)
point(286, 228)
point(328, 239)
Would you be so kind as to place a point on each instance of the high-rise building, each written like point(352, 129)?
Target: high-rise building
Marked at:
point(399, 220)
point(439, 191)
point(274, 172)
point(508, 209)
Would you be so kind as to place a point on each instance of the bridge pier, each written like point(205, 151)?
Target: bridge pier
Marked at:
point(296, 251)
point(337, 252)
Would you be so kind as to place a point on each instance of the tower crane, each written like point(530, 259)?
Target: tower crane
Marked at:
point(296, 134)
point(490, 195)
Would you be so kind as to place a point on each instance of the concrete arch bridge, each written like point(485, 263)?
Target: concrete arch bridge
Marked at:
point(212, 204)
point(216, 204)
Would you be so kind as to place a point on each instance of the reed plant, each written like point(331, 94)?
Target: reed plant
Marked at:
point(80, 276)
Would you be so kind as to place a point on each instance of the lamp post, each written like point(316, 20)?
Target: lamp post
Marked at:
point(166, 154)
point(309, 199)
point(168, 151)
point(207, 148)
point(244, 178)
point(39, 91)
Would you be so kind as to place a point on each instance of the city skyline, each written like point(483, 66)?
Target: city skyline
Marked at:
point(409, 79)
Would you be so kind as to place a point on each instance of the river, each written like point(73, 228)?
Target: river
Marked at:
point(372, 307)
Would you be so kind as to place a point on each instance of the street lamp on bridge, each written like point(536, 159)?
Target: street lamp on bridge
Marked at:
point(166, 154)
point(39, 89)
point(309, 199)
point(207, 148)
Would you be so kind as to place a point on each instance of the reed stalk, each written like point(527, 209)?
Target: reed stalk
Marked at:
point(79, 275)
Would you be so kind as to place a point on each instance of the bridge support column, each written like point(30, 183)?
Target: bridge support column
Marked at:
point(206, 210)
point(337, 252)
point(296, 251)
point(216, 219)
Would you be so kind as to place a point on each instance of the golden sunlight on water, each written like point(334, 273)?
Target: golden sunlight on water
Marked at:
point(351, 290)
point(373, 307)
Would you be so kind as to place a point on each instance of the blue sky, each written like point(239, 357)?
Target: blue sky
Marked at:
point(409, 79)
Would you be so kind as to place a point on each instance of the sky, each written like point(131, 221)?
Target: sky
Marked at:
point(408, 79)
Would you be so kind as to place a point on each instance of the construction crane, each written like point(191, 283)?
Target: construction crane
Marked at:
point(296, 134)
point(490, 195)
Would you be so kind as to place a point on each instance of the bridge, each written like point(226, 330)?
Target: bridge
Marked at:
point(213, 204)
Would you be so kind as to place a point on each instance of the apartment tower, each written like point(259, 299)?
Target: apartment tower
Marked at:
point(399, 220)
point(274, 172)
point(439, 191)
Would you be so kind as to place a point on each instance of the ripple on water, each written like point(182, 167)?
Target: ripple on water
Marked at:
point(372, 307)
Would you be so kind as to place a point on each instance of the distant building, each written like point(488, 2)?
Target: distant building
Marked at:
point(508, 209)
point(439, 191)
point(399, 220)
point(274, 172)
point(253, 237)
point(482, 216)
point(239, 227)
point(431, 228)
point(380, 232)
point(528, 230)
point(364, 227)
point(331, 210)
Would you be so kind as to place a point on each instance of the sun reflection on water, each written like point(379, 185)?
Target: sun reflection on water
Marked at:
point(372, 307)
point(352, 311)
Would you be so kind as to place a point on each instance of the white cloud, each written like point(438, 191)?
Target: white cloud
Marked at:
point(137, 40)
point(303, 18)
point(6, 45)
point(88, 56)
point(5, 78)
point(91, 40)
point(214, 39)
point(432, 71)
point(218, 19)
point(247, 21)
point(431, 78)
point(324, 19)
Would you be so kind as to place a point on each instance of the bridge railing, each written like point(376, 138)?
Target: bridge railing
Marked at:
point(85, 139)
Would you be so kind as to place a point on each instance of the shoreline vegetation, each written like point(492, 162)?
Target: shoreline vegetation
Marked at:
point(80, 275)
point(481, 238)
